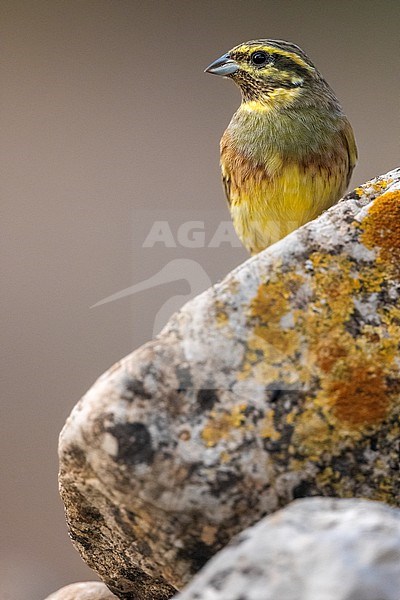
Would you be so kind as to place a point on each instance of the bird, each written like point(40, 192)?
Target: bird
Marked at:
point(289, 151)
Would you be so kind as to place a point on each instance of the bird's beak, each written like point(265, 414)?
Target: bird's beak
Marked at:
point(223, 66)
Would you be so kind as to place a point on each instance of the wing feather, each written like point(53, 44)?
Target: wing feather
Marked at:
point(351, 146)
point(226, 180)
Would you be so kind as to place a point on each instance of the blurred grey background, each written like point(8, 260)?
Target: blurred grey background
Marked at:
point(109, 125)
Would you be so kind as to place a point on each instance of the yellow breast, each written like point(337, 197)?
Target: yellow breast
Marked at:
point(269, 201)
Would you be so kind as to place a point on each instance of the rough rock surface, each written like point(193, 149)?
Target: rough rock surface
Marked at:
point(282, 381)
point(315, 549)
point(87, 590)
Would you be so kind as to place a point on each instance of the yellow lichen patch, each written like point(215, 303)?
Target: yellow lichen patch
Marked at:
point(371, 280)
point(267, 429)
point(290, 418)
point(334, 285)
point(377, 186)
point(261, 371)
point(383, 183)
point(271, 342)
point(382, 228)
point(312, 435)
point(224, 457)
point(391, 318)
point(327, 477)
point(271, 300)
point(267, 341)
point(221, 313)
point(220, 425)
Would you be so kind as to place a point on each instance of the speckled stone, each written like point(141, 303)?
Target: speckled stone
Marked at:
point(282, 381)
point(315, 549)
point(87, 590)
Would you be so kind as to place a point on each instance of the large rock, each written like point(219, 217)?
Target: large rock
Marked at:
point(316, 549)
point(282, 381)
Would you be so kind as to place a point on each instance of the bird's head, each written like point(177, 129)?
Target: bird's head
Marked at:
point(268, 71)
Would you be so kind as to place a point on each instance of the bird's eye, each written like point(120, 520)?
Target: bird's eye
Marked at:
point(259, 58)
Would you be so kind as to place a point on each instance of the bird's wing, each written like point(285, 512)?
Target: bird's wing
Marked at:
point(350, 143)
point(226, 180)
point(227, 160)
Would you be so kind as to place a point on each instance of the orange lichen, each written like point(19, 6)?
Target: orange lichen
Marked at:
point(382, 228)
point(328, 352)
point(360, 396)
